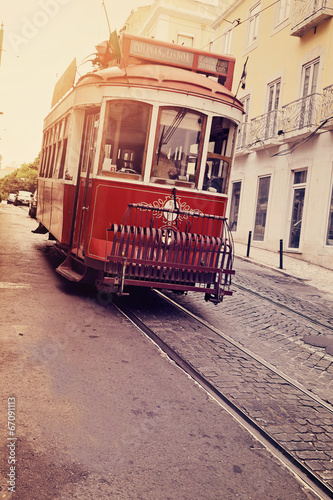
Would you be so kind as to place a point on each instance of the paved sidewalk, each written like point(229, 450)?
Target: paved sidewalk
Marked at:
point(313, 275)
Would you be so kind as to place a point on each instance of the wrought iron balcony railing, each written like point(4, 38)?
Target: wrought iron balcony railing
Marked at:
point(327, 104)
point(295, 118)
point(302, 113)
point(265, 127)
point(307, 14)
point(242, 140)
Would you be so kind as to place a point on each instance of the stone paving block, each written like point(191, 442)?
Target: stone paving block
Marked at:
point(312, 455)
point(315, 465)
point(327, 475)
point(307, 436)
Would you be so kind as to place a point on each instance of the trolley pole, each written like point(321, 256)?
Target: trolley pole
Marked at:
point(281, 254)
point(248, 244)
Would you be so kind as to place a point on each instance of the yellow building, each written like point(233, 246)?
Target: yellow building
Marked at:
point(282, 180)
point(281, 184)
point(184, 22)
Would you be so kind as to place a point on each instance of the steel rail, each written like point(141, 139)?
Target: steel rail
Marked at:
point(249, 353)
point(283, 306)
point(295, 466)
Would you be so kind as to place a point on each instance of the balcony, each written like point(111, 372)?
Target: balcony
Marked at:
point(265, 128)
point(327, 106)
point(300, 115)
point(308, 14)
point(243, 132)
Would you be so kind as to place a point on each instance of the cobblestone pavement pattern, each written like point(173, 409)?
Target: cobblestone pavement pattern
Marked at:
point(293, 418)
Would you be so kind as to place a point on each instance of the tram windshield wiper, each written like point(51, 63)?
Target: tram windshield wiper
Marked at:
point(168, 133)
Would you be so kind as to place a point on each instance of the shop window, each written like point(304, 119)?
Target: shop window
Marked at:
point(297, 208)
point(329, 240)
point(125, 137)
point(261, 211)
point(234, 206)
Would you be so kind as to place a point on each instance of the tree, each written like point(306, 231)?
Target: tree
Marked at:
point(23, 179)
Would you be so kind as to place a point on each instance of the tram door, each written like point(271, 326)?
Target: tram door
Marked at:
point(88, 151)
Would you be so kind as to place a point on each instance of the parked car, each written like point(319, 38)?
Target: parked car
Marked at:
point(23, 197)
point(11, 198)
point(33, 205)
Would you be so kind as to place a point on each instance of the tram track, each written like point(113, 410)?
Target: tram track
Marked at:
point(284, 307)
point(218, 383)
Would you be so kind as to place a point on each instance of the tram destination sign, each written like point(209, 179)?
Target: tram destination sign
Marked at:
point(161, 53)
point(213, 64)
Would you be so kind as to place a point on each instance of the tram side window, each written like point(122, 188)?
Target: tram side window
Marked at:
point(125, 137)
point(178, 147)
point(61, 149)
point(54, 150)
point(43, 156)
point(218, 162)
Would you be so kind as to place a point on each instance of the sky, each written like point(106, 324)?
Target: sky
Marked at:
point(41, 38)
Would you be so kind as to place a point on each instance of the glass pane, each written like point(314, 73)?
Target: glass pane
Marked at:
point(300, 177)
point(89, 141)
point(329, 240)
point(234, 208)
point(219, 155)
point(125, 137)
point(178, 146)
point(306, 81)
point(270, 98)
point(314, 77)
point(277, 94)
point(261, 212)
point(296, 218)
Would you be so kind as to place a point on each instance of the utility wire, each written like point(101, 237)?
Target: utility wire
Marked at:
point(239, 22)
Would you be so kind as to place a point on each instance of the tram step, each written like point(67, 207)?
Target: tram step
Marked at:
point(66, 270)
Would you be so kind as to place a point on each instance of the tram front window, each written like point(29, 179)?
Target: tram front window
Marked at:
point(125, 136)
point(178, 147)
point(218, 162)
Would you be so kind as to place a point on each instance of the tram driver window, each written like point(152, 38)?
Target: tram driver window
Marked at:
point(178, 147)
point(218, 162)
point(125, 137)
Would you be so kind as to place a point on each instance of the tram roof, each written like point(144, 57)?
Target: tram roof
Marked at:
point(161, 77)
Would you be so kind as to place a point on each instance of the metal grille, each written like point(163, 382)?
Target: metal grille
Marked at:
point(170, 248)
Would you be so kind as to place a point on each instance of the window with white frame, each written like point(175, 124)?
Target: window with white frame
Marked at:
point(310, 77)
point(186, 40)
point(226, 42)
point(261, 210)
point(244, 126)
point(234, 207)
point(253, 25)
point(282, 11)
point(299, 185)
point(273, 101)
point(309, 108)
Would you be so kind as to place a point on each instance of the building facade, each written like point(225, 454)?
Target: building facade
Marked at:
point(183, 22)
point(282, 181)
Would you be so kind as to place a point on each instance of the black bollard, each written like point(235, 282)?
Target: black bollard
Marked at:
point(281, 254)
point(248, 244)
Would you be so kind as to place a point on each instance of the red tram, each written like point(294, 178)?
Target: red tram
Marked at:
point(135, 167)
